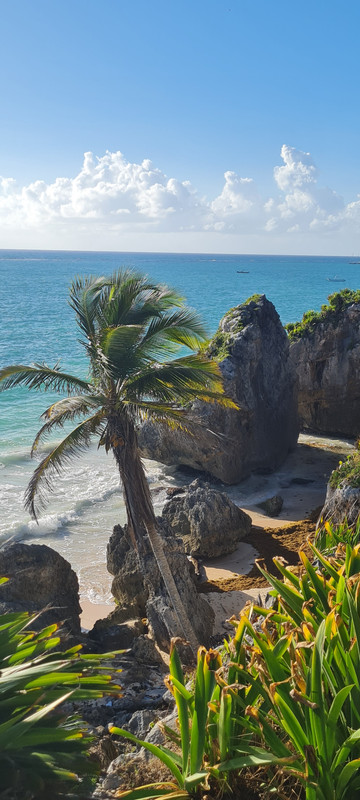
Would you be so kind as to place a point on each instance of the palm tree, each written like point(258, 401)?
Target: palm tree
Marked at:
point(131, 330)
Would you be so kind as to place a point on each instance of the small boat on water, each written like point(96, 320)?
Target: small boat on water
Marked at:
point(335, 278)
point(243, 271)
point(354, 262)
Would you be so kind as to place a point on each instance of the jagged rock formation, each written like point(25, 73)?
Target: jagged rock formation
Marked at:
point(206, 520)
point(40, 578)
point(253, 353)
point(326, 359)
point(342, 503)
point(140, 592)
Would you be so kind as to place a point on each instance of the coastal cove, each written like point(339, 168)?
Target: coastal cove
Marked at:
point(37, 325)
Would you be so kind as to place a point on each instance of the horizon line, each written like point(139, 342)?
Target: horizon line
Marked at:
point(172, 253)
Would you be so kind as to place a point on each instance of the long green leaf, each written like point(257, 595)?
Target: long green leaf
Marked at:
point(152, 791)
point(54, 462)
point(40, 376)
point(182, 708)
point(347, 773)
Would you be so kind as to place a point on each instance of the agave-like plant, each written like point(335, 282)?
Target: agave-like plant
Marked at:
point(300, 673)
point(205, 746)
point(131, 330)
point(41, 745)
point(290, 696)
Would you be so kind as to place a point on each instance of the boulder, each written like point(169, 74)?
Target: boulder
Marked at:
point(273, 505)
point(145, 652)
point(252, 349)
point(174, 490)
point(146, 591)
point(341, 503)
point(128, 584)
point(111, 634)
point(40, 578)
point(326, 359)
point(206, 520)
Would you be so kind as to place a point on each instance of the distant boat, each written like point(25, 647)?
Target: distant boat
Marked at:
point(335, 278)
point(354, 262)
point(243, 271)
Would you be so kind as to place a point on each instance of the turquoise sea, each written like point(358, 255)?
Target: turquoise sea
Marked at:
point(36, 324)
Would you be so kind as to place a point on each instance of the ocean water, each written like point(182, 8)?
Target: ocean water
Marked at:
point(37, 324)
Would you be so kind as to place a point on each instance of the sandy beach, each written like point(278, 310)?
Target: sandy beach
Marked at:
point(301, 481)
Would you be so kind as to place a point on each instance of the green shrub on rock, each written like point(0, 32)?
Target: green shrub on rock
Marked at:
point(347, 471)
point(233, 322)
point(338, 302)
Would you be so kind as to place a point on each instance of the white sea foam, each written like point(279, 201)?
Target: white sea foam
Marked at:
point(48, 524)
point(85, 505)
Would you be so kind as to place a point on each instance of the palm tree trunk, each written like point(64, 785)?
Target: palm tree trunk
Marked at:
point(140, 513)
point(171, 588)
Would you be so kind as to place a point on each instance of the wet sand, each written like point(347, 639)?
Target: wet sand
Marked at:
point(91, 612)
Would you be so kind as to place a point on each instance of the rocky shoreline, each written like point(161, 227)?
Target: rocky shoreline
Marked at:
point(210, 542)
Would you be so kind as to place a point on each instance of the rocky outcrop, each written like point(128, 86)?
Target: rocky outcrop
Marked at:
point(342, 503)
point(326, 360)
point(206, 520)
point(252, 349)
point(40, 578)
point(140, 588)
point(273, 505)
point(115, 633)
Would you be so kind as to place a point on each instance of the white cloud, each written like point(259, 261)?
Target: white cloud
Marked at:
point(297, 171)
point(112, 197)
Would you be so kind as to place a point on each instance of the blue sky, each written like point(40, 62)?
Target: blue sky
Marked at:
point(200, 89)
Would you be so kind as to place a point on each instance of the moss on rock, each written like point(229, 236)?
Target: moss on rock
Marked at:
point(233, 322)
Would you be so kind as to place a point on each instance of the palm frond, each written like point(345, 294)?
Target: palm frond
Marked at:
point(55, 462)
point(163, 414)
point(41, 376)
point(180, 380)
point(64, 411)
point(155, 301)
point(131, 299)
point(119, 346)
point(84, 297)
point(152, 409)
point(125, 292)
point(166, 333)
point(175, 418)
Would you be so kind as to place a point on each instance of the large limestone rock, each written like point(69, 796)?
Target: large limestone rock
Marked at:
point(342, 504)
point(146, 593)
point(206, 520)
point(40, 578)
point(253, 353)
point(327, 364)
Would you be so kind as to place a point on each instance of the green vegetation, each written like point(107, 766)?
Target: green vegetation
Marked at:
point(329, 536)
point(253, 299)
point(219, 346)
point(130, 329)
point(205, 737)
point(43, 748)
point(329, 313)
point(348, 471)
point(286, 696)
